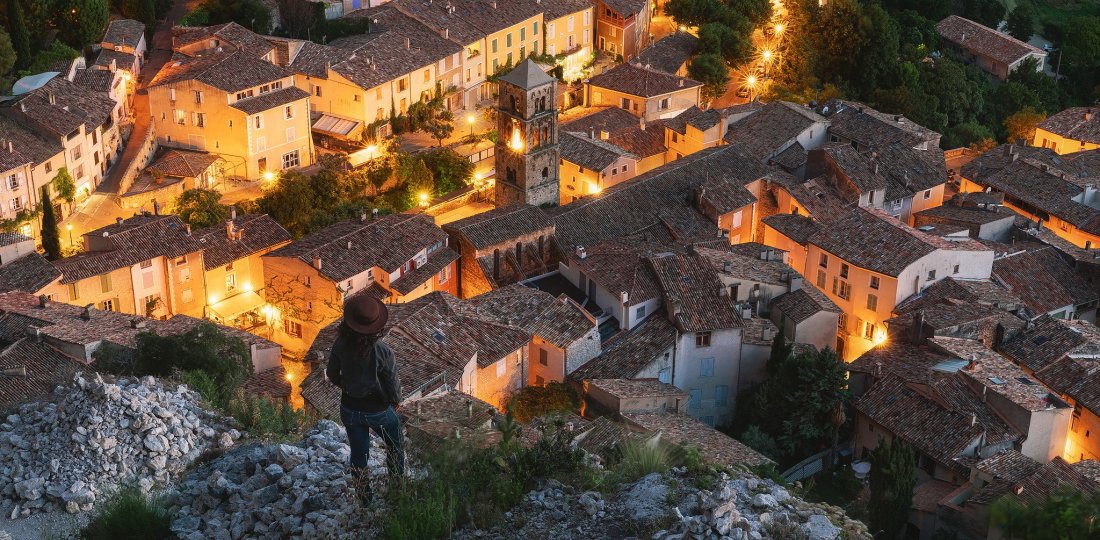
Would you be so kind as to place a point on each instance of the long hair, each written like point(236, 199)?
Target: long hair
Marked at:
point(359, 339)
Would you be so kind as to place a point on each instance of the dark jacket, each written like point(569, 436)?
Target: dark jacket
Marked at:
point(366, 374)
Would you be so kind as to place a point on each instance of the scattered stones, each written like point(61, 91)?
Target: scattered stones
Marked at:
point(299, 490)
point(64, 453)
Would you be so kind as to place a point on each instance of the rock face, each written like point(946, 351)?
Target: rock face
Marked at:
point(67, 452)
point(668, 508)
point(298, 490)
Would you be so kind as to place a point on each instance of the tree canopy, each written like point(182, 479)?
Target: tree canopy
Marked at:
point(711, 71)
point(51, 239)
point(893, 477)
point(1067, 515)
point(83, 20)
point(200, 207)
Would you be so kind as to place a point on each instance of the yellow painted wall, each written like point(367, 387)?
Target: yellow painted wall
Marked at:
point(1060, 144)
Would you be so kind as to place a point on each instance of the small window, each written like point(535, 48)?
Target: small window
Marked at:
point(147, 263)
point(931, 275)
point(702, 339)
point(292, 328)
point(107, 305)
point(869, 331)
point(824, 261)
point(845, 291)
point(288, 111)
point(105, 283)
point(874, 282)
point(258, 121)
point(721, 395)
point(695, 398)
point(927, 194)
point(502, 368)
point(843, 270)
point(955, 270)
point(821, 279)
point(543, 357)
point(230, 282)
point(539, 381)
point(73, 292)
point(181, 260)
point(706, 367)
point(872, 302)
point(639, 313)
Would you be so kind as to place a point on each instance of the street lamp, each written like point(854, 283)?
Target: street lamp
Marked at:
point(69, 227)
point(779, 28)
point(751, 83)
point(470, 120)
point(423, 199)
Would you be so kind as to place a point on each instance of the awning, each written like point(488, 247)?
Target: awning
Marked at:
point(337, 126)
point(235, 305)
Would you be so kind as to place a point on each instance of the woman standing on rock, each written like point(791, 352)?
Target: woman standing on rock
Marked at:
point(364, 369)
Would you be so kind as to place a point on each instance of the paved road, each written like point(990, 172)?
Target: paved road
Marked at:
point(102, 207)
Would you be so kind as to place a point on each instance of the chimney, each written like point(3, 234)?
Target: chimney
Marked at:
point(418, 407)
point(876, 168)
point(317, 262)
point(971, 364)
point(1088, 116)
point(187, 229)
point(11, 149)
point(36, 332)
point(582, 253)
point(469, 409)
point(42, 300)
point(496, 265)
point(374, 212)
point(680, 83)
point(446, 33)
point(53, 99)
point(362, 216)
point(727, 267)
point(229, 230)
point(118, 221)
point(408, 44)
point(723, 291)
point(86, 314)
point(349, 245)
point(878, 370)
point(746, 310)
point(641, 123)
point(973, 418)
point(998, 337)
point(624, 297)
point(604, 135)
point(233, 212)
point(136, 323)
point(156, 208)
point(592, 133)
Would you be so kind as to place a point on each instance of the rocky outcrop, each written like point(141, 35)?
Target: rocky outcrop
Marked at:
point(67, 452)
point(668, 507)
point(293, 491)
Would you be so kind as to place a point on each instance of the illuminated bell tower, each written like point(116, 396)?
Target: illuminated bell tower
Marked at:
point(527, 154)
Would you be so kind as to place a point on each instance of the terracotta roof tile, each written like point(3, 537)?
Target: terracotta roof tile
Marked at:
point(623, 130)
point(669, 53)
point(30, 273)
point(873, 129)
point(270, 100)
point(715, 446)
point(803, 303)
point(1076, 123)
point(798, 228)
point(386, 242)
point(500, 225)
point(183, 163)
point(124, 32)
point(984, 40)
point(636, 80)
point(629, 354)
point(137, 239)
point(1043, 280)
point(559, 321)
point(692, 291)
point(257, 232)
point(593, 154)
point(772, 129)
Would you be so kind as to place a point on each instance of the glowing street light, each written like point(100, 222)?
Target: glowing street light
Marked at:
point(268, 176)
point(70, 228)
point(767, 55)
point(750, 82)
point(779, 28)
point(423, 199)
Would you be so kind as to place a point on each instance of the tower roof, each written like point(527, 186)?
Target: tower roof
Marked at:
point(527, 75)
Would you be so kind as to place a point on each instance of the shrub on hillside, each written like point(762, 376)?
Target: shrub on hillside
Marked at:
point(535, 401)
point(129, 515)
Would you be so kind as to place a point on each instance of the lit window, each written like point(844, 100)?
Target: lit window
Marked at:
point(292, 328)
point(869, 331)
point(290, 159)
point(843, 270)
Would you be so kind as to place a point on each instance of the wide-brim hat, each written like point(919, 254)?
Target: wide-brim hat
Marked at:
point(365, 314)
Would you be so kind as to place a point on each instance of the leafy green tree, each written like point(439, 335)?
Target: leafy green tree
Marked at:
point(709, 69)
point(450, 170)
point(756, 11)
point(965, 135)
point(64, 184)
point(1021, 22)
point(418, 181)
point(198, 17)
point(8, 59)
point(987, 12)
point(200, 208)
point(1069, 514)
point(83, 20)
point(756, 439)
point(20, 38)
point(51, 237)
point(719, 39)
point(44, 60)
point(893, 477)
point(1080, 59)
point(291, 202)
point(1021, 126)
point(251, 14)
point(1044, 88)
point(225, 359)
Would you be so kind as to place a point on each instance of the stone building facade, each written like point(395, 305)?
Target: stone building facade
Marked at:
point(527, 153)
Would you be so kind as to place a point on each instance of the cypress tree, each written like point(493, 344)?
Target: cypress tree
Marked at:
point(893, 477)
point(51, 239)
point(20, 39)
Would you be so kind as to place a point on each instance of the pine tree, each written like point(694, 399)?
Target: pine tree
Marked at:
point(51, 239)
point(893, 477)
point(20, 39)
point(147, 13)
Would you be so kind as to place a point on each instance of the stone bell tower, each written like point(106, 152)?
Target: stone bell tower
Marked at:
point(527, 154)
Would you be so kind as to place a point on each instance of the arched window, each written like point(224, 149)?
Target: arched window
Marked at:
point(513, 98)
point(546, 172)
point(510, 175)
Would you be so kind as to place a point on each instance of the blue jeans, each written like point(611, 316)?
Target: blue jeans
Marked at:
point(385, 424)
